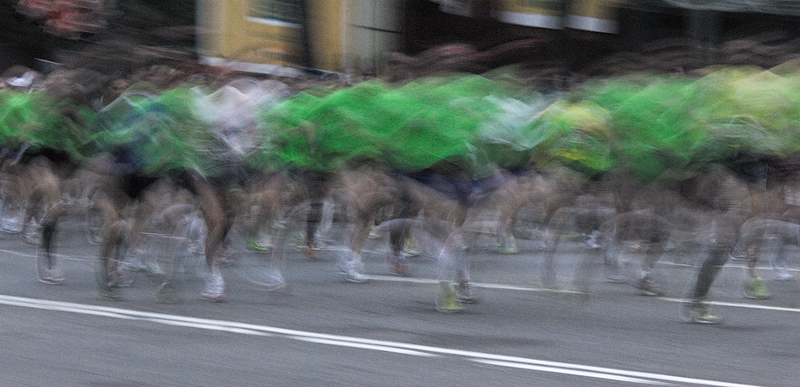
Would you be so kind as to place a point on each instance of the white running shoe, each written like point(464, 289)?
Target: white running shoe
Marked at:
point(213, 288)
point(351, 271)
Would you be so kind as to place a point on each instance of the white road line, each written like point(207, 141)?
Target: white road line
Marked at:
point(17, 253)
point(208, 326)
point(67, 257)
point(567, 291)
point(518, 362)
point(596, 375)
point(13, 301)
point(738, 305)
point(365, 346)
point(386, 278)
point(356, 342)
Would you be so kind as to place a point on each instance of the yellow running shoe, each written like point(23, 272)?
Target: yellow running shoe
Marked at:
point(697, 312)
point(755, 288)
point(447, 302)
point(411, 246)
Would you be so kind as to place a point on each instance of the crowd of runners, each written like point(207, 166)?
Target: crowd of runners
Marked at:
point(704, 162)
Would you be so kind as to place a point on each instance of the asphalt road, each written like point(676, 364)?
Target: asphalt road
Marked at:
point(324, 331)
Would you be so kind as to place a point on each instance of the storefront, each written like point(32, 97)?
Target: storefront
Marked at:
point(267, 35)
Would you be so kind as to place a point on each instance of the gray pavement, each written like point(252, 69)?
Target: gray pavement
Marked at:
point(324, 331)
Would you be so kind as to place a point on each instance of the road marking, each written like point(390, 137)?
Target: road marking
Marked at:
point(365, 346)
point(387, 278)
point(567, 291)
point(67, 257)
point(518, 362)
point(207, 326)
point(737, 305)
point(569, 372)
point(356, 342)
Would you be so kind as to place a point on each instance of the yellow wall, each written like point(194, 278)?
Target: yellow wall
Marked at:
point(230, 34)
point(545, 7)
point(325, 33)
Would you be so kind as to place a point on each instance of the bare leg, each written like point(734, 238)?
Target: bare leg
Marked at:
point(46, 197)
point(112, 238)
point(213, 204)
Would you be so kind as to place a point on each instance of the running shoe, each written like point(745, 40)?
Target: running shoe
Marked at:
point(103, 280)
point(121, 277)
point(697, 312)
point(228, 257)
point(738, 253)
point(648, 287)
point(153, 268)
point(591, 242)
point(106, 290)
point(31, 236)
point(755, 288)
point(783, 275)
point(411, 247)
point(350, 272)
point(255, 245)
point(465, 294)
point(167, 294)
point(213, 288)
point(508, 246)
point(397, 264)
point(613, 271)
point(51, 278)
point(133, 261)
point(111, 294)
point(446, 301)
point(196, 248)
point(354, 276)
point(373, 234)
point(311, 250)
point(780, 270)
